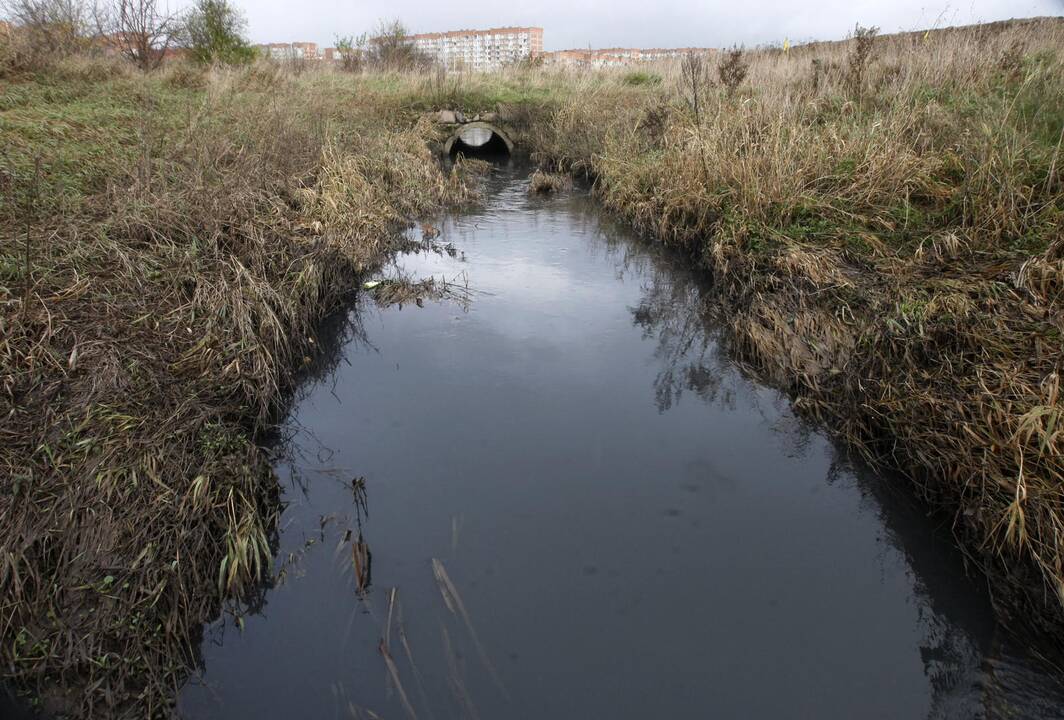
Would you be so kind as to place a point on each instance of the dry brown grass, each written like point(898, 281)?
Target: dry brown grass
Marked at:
point(184, 239)
point(545, 183)
point(883, 221)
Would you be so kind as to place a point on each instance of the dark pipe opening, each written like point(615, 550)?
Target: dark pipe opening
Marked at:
point(473, 146)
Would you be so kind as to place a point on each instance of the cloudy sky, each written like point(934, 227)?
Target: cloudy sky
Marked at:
point(631, 23)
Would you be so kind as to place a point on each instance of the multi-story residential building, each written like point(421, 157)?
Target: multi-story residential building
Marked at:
point(491, 49)
point(276, 51)
point(306, 50)
point(290, 51)
point(481, 49)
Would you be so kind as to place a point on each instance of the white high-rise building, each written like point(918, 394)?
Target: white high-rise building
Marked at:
point(481, 49)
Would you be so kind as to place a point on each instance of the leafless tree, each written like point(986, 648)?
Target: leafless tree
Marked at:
point(695, 80)
point(54, 27)
point(392, 48)
point(694, 77)
point(142, 30)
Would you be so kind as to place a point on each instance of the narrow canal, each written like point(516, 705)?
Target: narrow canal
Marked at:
point(562, 500)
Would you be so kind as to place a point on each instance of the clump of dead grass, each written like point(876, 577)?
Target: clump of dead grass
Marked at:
point(403, 290)
point(544, 183)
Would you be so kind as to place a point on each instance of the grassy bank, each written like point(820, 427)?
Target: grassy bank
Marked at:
point(885, 223)
point(169, 243)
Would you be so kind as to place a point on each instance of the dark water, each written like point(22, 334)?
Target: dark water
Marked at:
point(579, 508)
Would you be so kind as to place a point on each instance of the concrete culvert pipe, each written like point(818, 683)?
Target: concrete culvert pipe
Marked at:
point(479, 138)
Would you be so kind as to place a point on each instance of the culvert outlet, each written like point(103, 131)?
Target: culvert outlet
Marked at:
point(478, 139)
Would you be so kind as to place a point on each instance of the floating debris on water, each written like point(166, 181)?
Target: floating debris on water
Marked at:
point(402, 290)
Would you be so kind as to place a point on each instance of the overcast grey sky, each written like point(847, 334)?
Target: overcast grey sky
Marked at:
point(628, 23)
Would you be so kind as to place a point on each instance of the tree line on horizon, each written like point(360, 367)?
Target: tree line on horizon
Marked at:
point(143, 31)
point(146, 32)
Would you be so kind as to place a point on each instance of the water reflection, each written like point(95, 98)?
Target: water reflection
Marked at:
point(974, 669)
point(581, 508)
point(475, 136)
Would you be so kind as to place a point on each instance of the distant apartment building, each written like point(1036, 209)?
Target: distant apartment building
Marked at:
point(289, 51)
point(276, 51)
point(618, 57)
point(491, 49)
point(481, 49)
point(306, 50)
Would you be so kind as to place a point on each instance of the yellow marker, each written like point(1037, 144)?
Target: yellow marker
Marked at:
point(786, 44)
point(927, 34)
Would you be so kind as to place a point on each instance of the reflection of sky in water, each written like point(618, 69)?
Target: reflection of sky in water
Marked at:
point(475, 136)
point(634, 528)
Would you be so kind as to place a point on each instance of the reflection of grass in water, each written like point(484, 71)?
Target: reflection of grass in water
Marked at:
point(454, 603)
point(882, 218)
point(404, 290)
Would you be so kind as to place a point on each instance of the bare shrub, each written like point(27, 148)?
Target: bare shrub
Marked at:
point(818, 73)
point(295, 65)
point(143, 31)
point(392, 48)
point(16, 54)
point(824, 74)
point(694, 75)
point(1011, 61)
point(46, 30)
point(860, 55)
point(653, 124)
point(351, 51)
point(732, 70)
